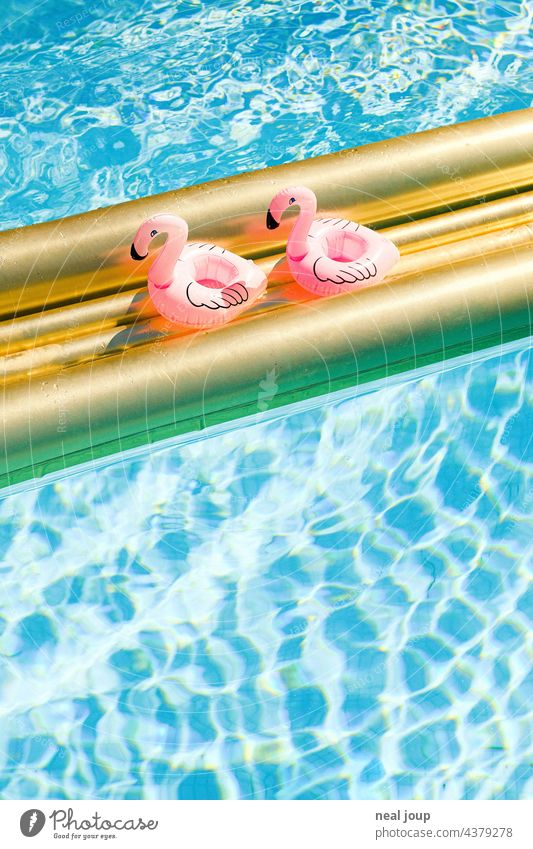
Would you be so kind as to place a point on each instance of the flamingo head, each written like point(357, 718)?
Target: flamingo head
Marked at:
point(296, 195)
point(172, 225)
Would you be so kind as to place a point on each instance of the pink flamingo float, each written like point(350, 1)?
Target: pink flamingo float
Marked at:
point(330, 255)
point(195, 284)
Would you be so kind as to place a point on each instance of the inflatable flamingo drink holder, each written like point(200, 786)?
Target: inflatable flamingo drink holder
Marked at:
point(199, 285)
point(328, 256)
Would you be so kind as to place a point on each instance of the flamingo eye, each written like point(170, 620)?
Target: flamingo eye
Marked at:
point(153, 233)
point(292, 200)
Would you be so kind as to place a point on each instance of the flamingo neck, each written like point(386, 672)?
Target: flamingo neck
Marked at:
point(161, 271)
point(297, 244)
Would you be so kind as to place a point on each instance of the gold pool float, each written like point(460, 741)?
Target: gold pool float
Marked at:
point(89, 369)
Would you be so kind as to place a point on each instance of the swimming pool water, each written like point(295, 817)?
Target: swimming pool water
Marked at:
point(103, 101)
point(332, 604)
point(335, 604)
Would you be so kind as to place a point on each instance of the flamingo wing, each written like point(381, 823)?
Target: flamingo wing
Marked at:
point(356, 271)
point(194, 247)
point(320, 225)
point(216, 299)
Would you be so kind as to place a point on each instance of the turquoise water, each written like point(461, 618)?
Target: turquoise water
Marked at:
point(106, 101)
point(332, 604)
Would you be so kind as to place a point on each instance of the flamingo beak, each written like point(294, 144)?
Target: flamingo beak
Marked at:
point(271, 222)
point(134, 254)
